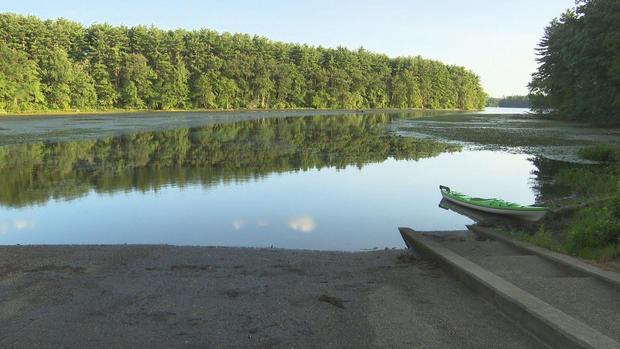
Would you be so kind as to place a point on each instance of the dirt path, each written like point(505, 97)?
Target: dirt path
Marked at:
point(165, 296)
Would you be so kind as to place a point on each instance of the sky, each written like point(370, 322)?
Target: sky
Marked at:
point(496, 39)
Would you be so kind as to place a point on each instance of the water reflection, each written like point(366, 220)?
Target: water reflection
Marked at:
point(238, 223)
point(304, 224)
point(477, 215)
point(505, 110)
point(351, 208)
point(18, 224)
point(233, 152)
point(321, 182)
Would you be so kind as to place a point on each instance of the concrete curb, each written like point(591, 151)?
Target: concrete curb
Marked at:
point(555, 257)
point(547, 323)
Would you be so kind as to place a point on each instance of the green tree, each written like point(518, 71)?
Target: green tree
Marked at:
point(136, 81)
point(204, 94)
point(82, 87)
point(226, 93)
point(579, 64)
point(20, 89)
point(107, 47)
point(170, 87)
point(146, 67)
point(509, 102)
point(66, 84)
point(263, 85)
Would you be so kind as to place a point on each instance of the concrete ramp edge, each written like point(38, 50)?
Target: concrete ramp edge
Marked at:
point(548, 324)
point(555, 257)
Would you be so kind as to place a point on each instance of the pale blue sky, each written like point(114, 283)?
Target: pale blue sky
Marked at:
point(494, 38)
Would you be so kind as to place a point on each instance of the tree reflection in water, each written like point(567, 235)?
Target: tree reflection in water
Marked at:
point(35, 173)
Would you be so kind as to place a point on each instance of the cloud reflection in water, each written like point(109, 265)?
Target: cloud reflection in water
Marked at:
point(304, 223)
point(238, 223)
point(19, 224)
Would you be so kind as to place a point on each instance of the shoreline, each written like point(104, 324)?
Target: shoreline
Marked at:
point(172, 296)
point(137, 111)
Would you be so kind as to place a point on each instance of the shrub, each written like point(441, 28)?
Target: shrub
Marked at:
point(584, 181)
point(597, 228)
point(545, 239)
point(602, 153)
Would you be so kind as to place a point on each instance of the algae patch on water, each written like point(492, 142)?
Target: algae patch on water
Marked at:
point(518, 132)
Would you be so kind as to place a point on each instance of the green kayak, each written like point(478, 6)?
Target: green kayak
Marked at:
point(528, 213)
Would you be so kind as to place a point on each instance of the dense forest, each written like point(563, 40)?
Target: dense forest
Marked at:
point(207, 155)
point(509, 102)
point(579, 64)
point(61, 65)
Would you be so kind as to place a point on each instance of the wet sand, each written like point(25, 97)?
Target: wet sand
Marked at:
point(203, 297)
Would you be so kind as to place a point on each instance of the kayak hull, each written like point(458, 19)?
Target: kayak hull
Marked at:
point(527, 213)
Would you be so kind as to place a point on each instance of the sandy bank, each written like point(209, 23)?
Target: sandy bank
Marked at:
point(167, 296)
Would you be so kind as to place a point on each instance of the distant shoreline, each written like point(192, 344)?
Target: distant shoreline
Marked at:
point(136, 111)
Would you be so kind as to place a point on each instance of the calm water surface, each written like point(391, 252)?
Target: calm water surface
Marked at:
point(320, 182)
point(504, 110)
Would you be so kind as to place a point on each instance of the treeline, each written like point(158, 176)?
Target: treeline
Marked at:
point(509, 102)
point(208, 155)
point(579, 73)
point(61, 65)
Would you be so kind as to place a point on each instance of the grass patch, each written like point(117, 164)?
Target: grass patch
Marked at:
point(585, 182)
point(591, 232)
point(596, 232)
point(601, 153)
point(588, 182)
point(546, 239)
point(540, 238)
point(608, 253)
point(586, 222)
